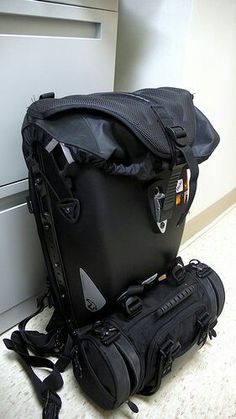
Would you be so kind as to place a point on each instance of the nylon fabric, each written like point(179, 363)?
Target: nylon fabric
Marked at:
point(148, 343)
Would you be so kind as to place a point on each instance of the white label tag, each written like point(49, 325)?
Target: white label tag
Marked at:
point(180, 186)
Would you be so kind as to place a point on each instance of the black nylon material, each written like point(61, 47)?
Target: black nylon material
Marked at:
point(135, 112)
point(173, 318)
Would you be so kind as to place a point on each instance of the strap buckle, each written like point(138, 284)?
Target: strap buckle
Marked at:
point(162, 197)
point(178, 134)
point(177, 270)
point(106, 332)
point(168, 350)
point(132, 304)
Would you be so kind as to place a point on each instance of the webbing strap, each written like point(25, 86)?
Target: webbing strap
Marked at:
point(132, 359)
point(181, 142)
point(43, 344)
point(194, 172)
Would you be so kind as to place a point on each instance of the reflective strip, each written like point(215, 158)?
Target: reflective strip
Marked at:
point(67, 153)
point(51, 145)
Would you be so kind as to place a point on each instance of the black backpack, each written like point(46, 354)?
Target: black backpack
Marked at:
point(109, 191)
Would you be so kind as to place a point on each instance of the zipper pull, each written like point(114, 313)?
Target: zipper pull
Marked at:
point(157, 205)
point(212, 334)
point(158, 196)
point(132, 406)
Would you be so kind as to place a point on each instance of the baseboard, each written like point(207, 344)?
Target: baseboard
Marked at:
point(202, 220)
point(14, 315)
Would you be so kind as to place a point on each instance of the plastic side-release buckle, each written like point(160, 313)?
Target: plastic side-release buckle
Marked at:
point(107, 333)
point(169, 350)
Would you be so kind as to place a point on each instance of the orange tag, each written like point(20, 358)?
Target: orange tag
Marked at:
point(186, 185)
point(178, 199)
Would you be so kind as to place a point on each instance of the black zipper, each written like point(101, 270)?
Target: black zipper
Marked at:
point(100, 347)
point(142, 364)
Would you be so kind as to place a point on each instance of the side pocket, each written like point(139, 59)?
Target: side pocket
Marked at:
point(104, 376)
point(172, 340)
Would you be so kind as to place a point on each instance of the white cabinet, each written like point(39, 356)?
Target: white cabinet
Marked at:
point(44, 46)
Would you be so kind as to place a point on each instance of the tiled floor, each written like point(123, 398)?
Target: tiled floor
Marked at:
point(202, 383)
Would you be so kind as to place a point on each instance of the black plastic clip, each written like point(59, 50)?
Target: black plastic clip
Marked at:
point(107, 333)
point(202, 269)
point(177, 270)
point(168, 350)
point(178, 134)
point(129, 300)
point(133, 306)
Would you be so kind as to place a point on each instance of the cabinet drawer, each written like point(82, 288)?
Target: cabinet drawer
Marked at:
point(22, 269)
point(48, 47)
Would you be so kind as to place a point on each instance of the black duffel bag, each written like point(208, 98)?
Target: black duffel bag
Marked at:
point(130, 351)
